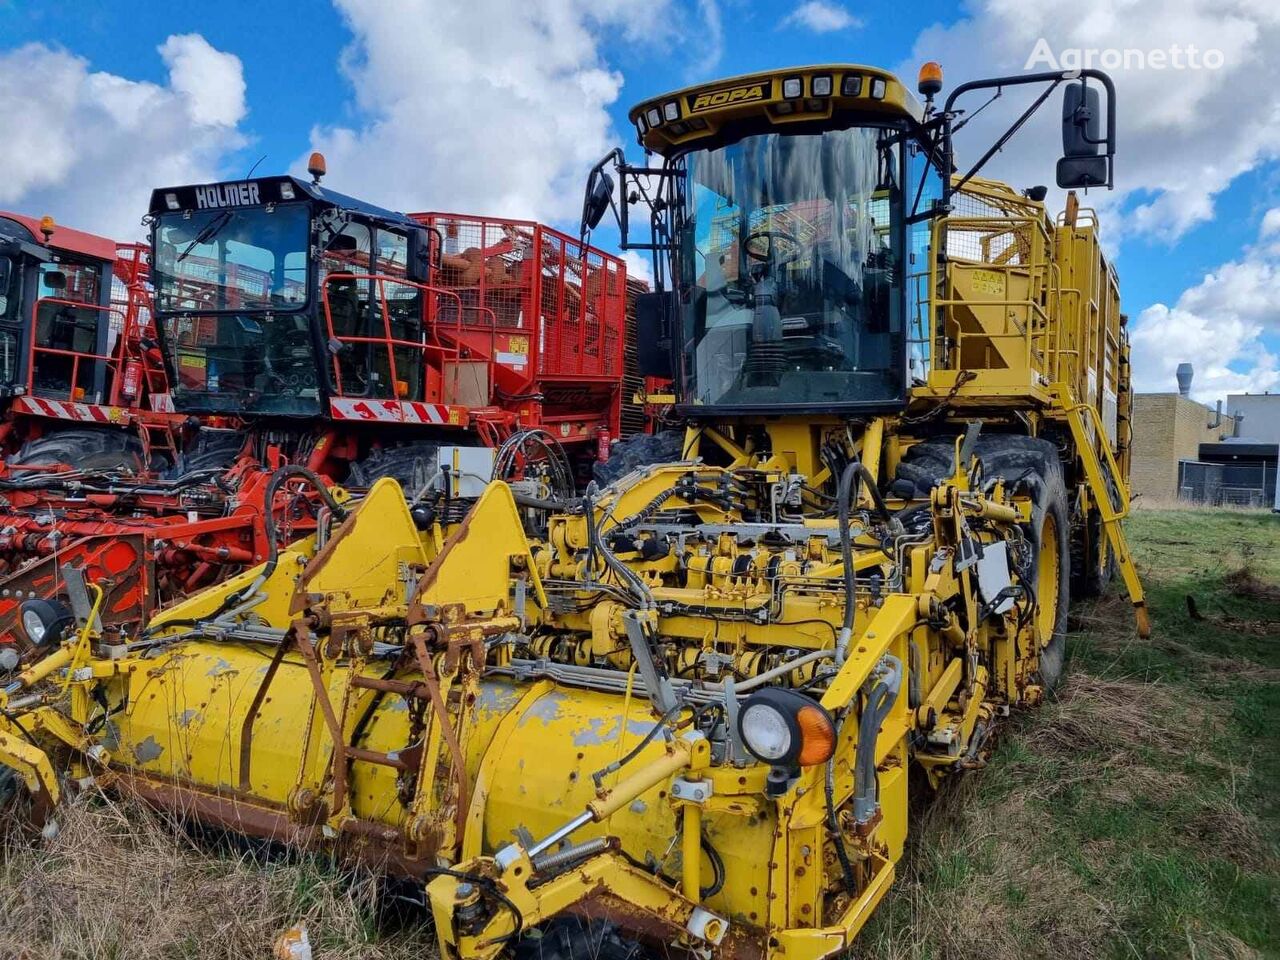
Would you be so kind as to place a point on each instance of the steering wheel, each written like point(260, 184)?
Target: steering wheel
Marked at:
point(791, 252)
point(288, 359)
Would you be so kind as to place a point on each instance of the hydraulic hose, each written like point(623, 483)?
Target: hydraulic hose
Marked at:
point(844, 502)
point(539, 503)
point(269, 514)
point(833, 824)
point(596, 547)
point(883, 691)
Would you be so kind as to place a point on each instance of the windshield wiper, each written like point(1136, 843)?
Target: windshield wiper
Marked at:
point(211, 230)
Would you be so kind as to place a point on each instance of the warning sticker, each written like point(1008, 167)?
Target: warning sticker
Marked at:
point(988, 281)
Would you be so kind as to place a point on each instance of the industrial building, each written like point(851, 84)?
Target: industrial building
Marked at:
point(1185, 450)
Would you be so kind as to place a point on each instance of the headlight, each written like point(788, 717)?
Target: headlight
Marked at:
point(786, 729)
point(44, 621)
point(34, 626)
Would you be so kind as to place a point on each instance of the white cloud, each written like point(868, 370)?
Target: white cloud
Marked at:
point(1183, 136)
point(211, 81)
point(88, 147)
point(639, 266)
point(1270, 223)
point(488, 106)
point(820, 17)
point(1221, 326)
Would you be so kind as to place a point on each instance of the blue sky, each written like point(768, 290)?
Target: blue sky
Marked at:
point(499, 106)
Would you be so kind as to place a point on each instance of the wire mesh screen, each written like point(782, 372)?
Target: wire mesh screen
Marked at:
point(985, 230)
point(516, 275)
point(1233, 484)
point(489, 265)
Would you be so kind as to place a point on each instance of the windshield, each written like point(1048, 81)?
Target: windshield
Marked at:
point(241, 363)
point(231, 288)
point(251, 258)
point(790, 252)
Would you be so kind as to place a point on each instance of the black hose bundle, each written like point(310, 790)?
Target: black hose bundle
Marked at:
point(559, 469)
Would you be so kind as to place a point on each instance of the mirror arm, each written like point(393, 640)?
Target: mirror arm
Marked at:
point(619, 206)
point(1055, 78)
point(1008, 134)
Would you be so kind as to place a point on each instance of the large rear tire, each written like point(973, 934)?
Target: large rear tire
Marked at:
point(1033, 465)
point(1093, 565)
point(412, 465)
point(642, 450)
point(212, 449)
point(84, 448)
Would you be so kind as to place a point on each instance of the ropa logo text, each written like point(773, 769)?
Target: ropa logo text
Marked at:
point(727, 97)
point(227, 195)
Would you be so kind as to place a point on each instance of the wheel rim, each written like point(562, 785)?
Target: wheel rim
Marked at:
point(1048, 581)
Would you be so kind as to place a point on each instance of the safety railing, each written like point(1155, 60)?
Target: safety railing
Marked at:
point(526, 280)
point(1013, 293)
point(46, 364)
point(403, 356)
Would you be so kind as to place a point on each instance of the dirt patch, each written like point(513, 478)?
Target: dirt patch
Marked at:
point(1245, 583)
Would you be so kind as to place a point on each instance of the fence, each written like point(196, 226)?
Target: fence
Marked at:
point(1233, 484)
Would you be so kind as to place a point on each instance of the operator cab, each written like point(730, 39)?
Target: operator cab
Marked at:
point(792, 217)
point(272, 295)
point(56, 329)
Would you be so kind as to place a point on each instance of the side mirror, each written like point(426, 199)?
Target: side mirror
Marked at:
point(342, 243)
point(655, 315)
point(6, 271)
point(55, 280)
point(1082, 163)
point(598, 198)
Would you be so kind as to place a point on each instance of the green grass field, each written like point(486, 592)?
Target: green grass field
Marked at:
point(1134, 816)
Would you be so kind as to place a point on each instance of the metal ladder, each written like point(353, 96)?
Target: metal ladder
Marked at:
point(1111, 514)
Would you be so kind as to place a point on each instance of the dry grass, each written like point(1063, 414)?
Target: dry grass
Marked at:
point(122, 882)
point(1135, 814)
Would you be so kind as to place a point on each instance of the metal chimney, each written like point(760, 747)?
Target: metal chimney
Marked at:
point(1185, 372)
point(1239, 416)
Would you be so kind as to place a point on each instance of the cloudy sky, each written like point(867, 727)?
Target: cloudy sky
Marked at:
point(499, 106)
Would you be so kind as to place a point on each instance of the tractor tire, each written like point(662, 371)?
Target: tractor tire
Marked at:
point(573, 938)
point(213, 449)
point(1092, 567)
point(87, 449)
point(642, 450)
point(412, 465)
point(1033, 464)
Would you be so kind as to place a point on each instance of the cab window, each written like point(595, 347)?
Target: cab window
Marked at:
point(71, 330)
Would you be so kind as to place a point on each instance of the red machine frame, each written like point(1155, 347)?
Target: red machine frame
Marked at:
point(524, 329)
